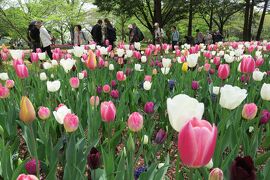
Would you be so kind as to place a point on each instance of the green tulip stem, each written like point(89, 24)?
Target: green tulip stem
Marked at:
point(191, 170)
point(35, 148)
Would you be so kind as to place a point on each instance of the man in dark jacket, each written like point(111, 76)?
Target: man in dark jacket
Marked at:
point(97, 33)
point(33, 36)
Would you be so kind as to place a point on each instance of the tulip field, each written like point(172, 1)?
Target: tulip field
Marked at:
point(136, 112)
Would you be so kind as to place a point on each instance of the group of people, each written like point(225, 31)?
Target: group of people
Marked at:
point(208, 38)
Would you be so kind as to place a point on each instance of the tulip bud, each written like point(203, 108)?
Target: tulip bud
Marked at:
point(145, 139)
point(148, 78)
point(44, 113)
point(107, 111)
point(4, 92)
point(130, 144)
point(154, 71)
point(147, 85)
point(74, 82)
point(113, 83)
point(265, 92)
point(249, 111)
point(115, 94)
point(106, 88)
point(91, 62)
point(185, 67)
point(27, 112)
point(135, 122)
point(160, 137)
point(149, 107)
point(9, 83)
point(93, 158)
point(99, 89)
point(71, 122)
point(195, 85)
point(265, 117)
point(26, 177)
point(94, 100)
point(223, 71)
point(30, 166)
point(216, 174)
point(120, 76)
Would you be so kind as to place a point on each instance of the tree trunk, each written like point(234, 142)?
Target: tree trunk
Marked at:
point(258, 37)
point(249, 32)
point(71, 30)
point(211, 20)
point(190, 17)
point(245, 29)
point(157, 12)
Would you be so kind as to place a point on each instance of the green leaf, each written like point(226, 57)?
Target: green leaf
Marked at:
point(266, 171)
point(120, 173)
point(163, 170)
point(19, 170)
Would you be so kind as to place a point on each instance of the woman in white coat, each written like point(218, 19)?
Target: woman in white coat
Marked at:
point(45, 38)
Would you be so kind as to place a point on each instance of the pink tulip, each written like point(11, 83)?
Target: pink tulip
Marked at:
point(223, 71)
point(114, 94)
point(148, 52)
point(249, 111)
point(149, 107)
point(9, 83)
point(216, 61)
point(247, 65)
point(101, 63)
point(94, 101)
point(68, 56)
point(17, 62)
point(74, 82)
point(107, 42)
point(4, 56)
point(196, 143)
point(98, 53)
point(106, 88)
point(38, 50)
point(34, 57)
point(21, 71)
point(177, 52)
point(120, 76)
point(56, 56)
point(44, 113)
point(107, 111)
point(216, 174)
point(71, 122)
point(109, 48)
point(251, 49)
point(113, 83)
point(259, 62)
point(148, 78)
point(84, 57)
point(26, 177)
point(207, 67)
point(4, 92)
point(84, 72)
point(164, 46)
point(207, 54)
point(135, 122)
point(112, 54)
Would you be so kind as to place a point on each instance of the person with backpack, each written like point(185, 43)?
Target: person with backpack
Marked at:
point(96, 32)
point(110, 32)
point(136, 34)
point(80, 37)
point(175, 37)
point(45, 38)
point(159, 34)
point(33, 36)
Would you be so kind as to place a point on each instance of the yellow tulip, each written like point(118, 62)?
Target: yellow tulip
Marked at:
point(185, 67)
point(27, 111)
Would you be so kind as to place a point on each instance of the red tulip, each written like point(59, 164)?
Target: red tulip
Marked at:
point(247, 65)
point(223, 71)
point(107, 111)
point(196, 143)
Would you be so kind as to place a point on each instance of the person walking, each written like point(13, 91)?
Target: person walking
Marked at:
point(175, 37)
point(159, 34)
point(80, 37)
point(96, 32)
point(33, 36)
point(199, 37)
point(45, 38)
point(110, 32)
point(208, 39)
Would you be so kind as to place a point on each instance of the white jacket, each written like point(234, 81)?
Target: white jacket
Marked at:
point(45, 38)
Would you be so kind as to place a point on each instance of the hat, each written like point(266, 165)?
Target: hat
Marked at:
point(130, 26)
point(156, 24)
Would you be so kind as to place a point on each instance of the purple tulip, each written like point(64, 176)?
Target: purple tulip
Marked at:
point(160, 136)
point(243, 168)
point(265, 117)
point(149, 107)
point(195, 85)
point(93, 158)
point(30, 166)
point(115, 94)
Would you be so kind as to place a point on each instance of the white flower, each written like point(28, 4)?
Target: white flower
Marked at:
point(165, 70)
point(53, 86)
point(216, 90)
point(42, 56)
point(16, 54)
point(147, 85)
point(70, 51)
point(166, 62)
point(43, 76)
point(232, 96)
point(61, 113)
point(258, 75)
point(182, 108)
point(80, 75)
point(127, 46)
point(145, 139)
point(54, 63)
point(250, 129)
point(265, 92)
point(192, 60)
point(228, 58)
point(67, 64)
point(92, 46)
point(103, 50)
point(78, 51)
point(137, 45)
point(47, 65)
point(143, 59)
point(238, 52)
point(120, 52)
point(52, 76)
point(160, 165)
point(221, 53)
point(4, 76)
point(137, 67)
point(209, 165)
point(258, 54)
point(129, 53)
point(111, 67)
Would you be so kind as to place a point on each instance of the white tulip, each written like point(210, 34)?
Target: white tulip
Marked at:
point(54, 63)
point(166, 62)
point(111, 67)
point(129, 53)
point(216, 90)
point(4, 76)
point(182, 108)
point(78, 51)
point(265, 92)
point(67, 64)
point(228, 58)
point(70, 51)
point(145, 139)
point(43, 76)
point(120, 52)
point(92, 46)
point(192, 60)
point(143, 59)
point(221, 53)
point(127, 46)
point(258, 54)
point(238, 52)
point(16, 54)
point(61, 113)
point(160, 165)
point(165, 70)
point(258, 75)
point(138, 67)
point(147, 85)
point(53, 86)
point(80, 75)
point(137, 45)
point(42, 56)
point(231, 96)
point(47, 65)
point(209, 165)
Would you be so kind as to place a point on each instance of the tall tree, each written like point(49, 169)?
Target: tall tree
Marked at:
point(259, 32)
